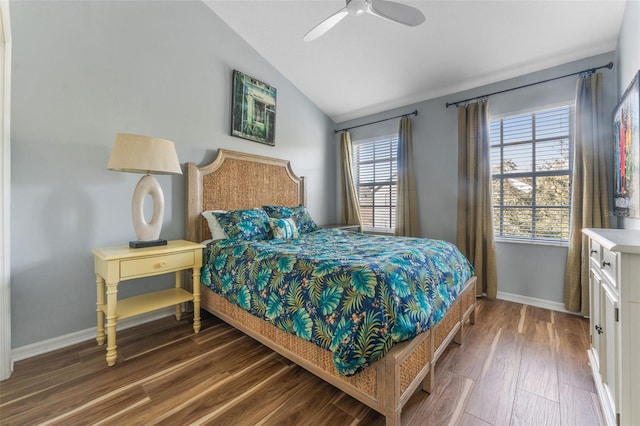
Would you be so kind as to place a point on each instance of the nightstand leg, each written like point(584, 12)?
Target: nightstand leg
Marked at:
point(196, 300)
point(99, 312)
point(178, 285)
point(112, 319)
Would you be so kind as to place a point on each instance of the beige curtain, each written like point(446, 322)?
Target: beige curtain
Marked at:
point(475, 222)
point(407, 223)
point(589, 192)
point(349, 208)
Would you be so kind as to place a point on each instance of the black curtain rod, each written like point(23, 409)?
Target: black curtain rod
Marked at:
point(374, 122)
point(589, 71)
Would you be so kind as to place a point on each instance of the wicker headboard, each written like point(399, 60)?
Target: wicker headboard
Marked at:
point(235, 180)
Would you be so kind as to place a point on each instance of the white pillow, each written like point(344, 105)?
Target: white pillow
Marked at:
point(217, 233)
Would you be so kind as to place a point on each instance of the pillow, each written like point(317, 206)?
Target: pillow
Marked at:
point(283, 229)
point(244, 224)
point(299, 214)
point(217, 233)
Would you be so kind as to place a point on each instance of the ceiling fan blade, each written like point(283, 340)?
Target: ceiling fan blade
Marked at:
point(326, 25)
point(397, 12)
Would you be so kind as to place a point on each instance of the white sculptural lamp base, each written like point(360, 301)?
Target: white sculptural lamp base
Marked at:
point(148, 233)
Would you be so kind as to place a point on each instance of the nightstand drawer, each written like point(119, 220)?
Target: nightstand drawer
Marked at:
point(156, 264)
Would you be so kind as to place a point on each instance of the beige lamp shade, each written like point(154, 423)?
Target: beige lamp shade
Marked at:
point(143, 154)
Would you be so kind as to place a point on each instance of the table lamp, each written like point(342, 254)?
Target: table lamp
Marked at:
point(145, 154)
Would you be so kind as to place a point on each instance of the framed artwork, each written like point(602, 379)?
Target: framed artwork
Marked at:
point(253, 114)
point(626, 124)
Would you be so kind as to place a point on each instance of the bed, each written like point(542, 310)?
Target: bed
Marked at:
point(236, 181)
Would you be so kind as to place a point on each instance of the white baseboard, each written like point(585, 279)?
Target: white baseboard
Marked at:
point(532, 301)
point(39, 348)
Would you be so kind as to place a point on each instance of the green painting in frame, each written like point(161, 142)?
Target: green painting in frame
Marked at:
point(626, 124)
point(253, 114)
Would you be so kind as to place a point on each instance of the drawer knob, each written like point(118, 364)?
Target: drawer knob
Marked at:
point(599, 329)
point(594, 251)
point(161, 265)
point(605, 263)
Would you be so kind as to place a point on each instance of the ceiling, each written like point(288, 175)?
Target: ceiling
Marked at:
point(365, 65)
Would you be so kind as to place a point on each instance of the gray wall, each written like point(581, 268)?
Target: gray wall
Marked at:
point(628, 55)
point(84, 71)
point(523, 269)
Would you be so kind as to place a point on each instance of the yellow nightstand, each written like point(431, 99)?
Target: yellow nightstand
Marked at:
point(120, 263)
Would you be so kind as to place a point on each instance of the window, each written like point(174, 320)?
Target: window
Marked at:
point(531, 156)
point(375, 175)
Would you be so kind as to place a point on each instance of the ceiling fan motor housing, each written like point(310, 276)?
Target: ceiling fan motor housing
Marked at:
point(358, 7)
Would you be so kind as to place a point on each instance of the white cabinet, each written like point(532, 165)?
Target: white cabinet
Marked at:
point(614, 290)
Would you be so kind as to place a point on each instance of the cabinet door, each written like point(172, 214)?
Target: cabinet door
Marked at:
point(610, 344)
point(595, 321)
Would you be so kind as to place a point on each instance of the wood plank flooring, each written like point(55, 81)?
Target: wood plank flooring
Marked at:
point(518, 365)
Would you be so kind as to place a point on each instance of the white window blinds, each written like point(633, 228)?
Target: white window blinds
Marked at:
point(531, 171)
point(375, 176)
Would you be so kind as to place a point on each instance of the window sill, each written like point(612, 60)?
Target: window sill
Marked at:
point(532, 242)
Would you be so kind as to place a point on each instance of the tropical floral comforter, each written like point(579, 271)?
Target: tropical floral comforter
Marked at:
point(350, 293)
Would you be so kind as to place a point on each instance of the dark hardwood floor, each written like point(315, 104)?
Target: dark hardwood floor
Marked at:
point(518, 365)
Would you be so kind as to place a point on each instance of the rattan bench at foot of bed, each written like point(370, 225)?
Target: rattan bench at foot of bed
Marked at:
point(386, 385)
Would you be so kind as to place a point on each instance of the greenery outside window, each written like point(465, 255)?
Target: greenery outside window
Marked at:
point(531, 164)
point(375, 178)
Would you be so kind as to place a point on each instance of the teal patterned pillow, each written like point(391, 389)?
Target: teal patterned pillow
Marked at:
point(299, 214)
point(244, 224)
point(278, 212)
point(283, 229)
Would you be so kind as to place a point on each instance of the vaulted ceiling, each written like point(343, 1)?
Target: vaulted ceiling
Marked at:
point(366, 65)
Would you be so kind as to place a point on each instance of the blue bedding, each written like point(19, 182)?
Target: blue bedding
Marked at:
point(353, 294)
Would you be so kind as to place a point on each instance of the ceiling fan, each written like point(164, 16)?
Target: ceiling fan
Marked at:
point(389, 10)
